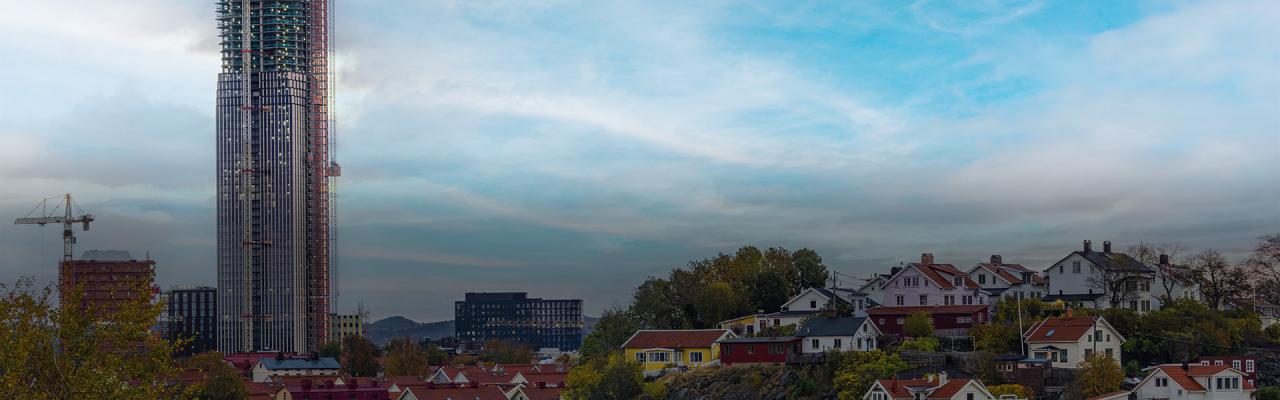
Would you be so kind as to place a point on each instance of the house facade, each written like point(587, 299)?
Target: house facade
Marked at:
point(1066, 341)
point(940, 388)
point(1248, 364)
point(1008, 280)
point(929, 284)
point(821, 334)
point(758, 350)
point(268, 368)
point(1194, 382)
point(663, 350)
point(1099, 279)
point(947, 320)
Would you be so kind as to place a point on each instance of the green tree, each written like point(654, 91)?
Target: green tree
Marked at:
point(1022, 392)
point(655, 306)
point(1099, 374)
point(918, 324)
point(606, 378)
point(501, 352)
point(435, 356)
point(221, 380)
point(359, 356)
point(49, 352)
point(405, 358)
point(921, 344)
point(330, 349)
point(998, 338)
point(812, 272)
point(614, 328)
point(859, 369)
point(1267, 393)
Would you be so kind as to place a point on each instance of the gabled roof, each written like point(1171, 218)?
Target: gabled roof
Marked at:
point(905, 310)
point(536, 393)
point(824, 326)
point(903, 388)
point(1067, 329)
point(828, 294)
point(942, 275)
point(1111, 261)
point(552, 378)
point(455, 393)
point(672, 339)
point(321, 363)
point(1186, 378)
point(761, 339)
point(1011, 273)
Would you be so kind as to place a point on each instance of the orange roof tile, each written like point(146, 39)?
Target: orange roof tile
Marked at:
point(1063, 329)
point(1186, 378)
point(901, 388)
point(691, 338)
point(905, 310)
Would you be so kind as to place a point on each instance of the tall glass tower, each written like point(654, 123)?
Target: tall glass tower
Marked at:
point(274, 170)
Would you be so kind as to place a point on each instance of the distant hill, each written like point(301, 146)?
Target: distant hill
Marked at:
point(382, 331)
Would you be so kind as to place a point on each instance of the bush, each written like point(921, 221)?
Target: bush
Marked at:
point(921, 344)
point(1022, 392)
point(918, 325)
point(1268, 393)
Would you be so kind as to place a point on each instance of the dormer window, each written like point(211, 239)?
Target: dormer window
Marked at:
point(959, 281)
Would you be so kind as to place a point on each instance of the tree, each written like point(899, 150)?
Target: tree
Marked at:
point(1148, 253)
point(654, 305)
point(1118, 284)
point(859, 369)
point(49, 352)
point(359, 356)
point(1099, 374)
point(330, 349)
point(1022, 392)
point(919, 324)
point(1265, 264)
point(614, 328)
point(1267, 393)
point(1219, 280)
point(609, 378)
point(501, 352)
point(997, 338)
point(435, 356)
point(221, 380)
point(812, 272)
point(405, 358)
point(923, 343)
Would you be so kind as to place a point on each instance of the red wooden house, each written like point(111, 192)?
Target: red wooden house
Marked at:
point(947, 320)
point(758, 350)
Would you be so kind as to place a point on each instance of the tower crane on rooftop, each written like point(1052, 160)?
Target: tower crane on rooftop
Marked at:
point(67, 220)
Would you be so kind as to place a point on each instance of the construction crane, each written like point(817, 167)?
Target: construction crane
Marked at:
point(51, 217)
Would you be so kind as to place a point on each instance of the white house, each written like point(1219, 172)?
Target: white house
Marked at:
point(268, 368)
point(823, 333)
point(1087, 278)
point(1066, 341)
point(941, 388)
point(874, 287)
point(928, 284)
point(1194, 382)
point(1174, 281)
point(1008, 280)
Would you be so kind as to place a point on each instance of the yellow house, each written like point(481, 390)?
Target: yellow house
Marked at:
point(678, 350)
point(747, 325)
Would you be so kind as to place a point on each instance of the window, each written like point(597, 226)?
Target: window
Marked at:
point(1248, 365)
point(899, 321)
point(967, 300)
point(658, 357)
point(728, 349)
point(1088, 352)
point(1217, 362)
point(640, 357)
point(751, 349)
point(966, 320)
point(1236, 364)
point(1133, 305)
point(813, 304)
point(1062, 356)
point(1109, 352)
point(982, 279)
point(836, 344)
point(1162, 382)
point(695, 357)
point(859, 343)
point(924, 299)
point(1075, 267)
point(777, 348)
point(899, 300)
point(968, 396)
point(948, 300)
point(815, 344)
point(1060, 267)
point(959, 281)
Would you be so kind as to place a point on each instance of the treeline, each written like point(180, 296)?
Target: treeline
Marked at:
point(708, 291)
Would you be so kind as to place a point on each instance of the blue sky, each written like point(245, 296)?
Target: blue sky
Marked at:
point(573, 148)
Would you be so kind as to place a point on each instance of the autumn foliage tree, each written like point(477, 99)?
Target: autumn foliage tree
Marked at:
point(221, 380)
point(1099, 374)
point(608, 378)
point(359, 356)
point(51, 352)
point(405, 358)
point(857, 370)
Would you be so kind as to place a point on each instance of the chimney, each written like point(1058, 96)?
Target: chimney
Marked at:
point(926, 258)
point(942, 378)
point(996, 259)
point(1088, 246)
point(1184, 365)
point(1164, 259)
point(1106, 246)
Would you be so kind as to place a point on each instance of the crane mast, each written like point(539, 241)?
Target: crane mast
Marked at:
point(67, 220)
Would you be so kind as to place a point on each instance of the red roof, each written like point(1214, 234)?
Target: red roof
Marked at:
point(535, 393)
point(1062, 329)
point(1186, 378)
point(944, 274)
point(401, 381)
point(899, 388)
point(454, 393)
point(940, 310)
point(550, 378)
point(689, 338)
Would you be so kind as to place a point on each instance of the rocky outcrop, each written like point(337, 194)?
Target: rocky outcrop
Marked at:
point(747, 383)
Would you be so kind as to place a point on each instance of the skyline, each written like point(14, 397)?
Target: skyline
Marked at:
point(505, 148)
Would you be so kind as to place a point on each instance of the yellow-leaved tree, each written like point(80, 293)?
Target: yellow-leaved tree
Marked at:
point(1099, 374)
point(52, 352)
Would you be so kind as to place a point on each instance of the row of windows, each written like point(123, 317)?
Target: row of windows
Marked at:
point(663, 357)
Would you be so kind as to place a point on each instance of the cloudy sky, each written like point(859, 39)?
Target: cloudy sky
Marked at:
point(571, 149)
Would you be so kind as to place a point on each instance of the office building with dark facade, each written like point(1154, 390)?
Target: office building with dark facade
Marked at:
point(516, 318)
point(191, 313)
point(274, 169)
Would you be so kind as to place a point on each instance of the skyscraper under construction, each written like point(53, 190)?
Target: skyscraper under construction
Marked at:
point(275, 167)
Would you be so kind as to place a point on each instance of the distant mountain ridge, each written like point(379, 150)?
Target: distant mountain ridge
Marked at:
point(381, 332)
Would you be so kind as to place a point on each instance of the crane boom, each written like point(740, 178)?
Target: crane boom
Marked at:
point(67, 221)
